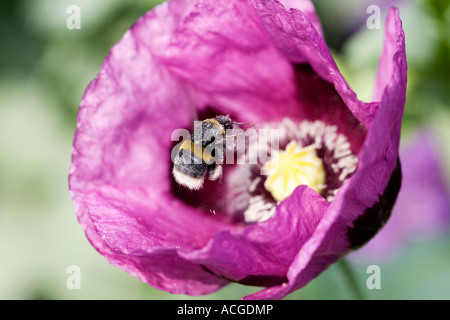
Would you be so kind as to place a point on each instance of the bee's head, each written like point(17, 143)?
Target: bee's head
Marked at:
point(225, 121)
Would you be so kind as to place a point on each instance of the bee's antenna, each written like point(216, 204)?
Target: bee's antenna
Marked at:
point(247, 124)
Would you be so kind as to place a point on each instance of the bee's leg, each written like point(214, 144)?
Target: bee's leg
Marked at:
point(214, 172)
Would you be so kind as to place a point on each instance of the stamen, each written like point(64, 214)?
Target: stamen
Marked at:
point(311, 153)
point(259, 210)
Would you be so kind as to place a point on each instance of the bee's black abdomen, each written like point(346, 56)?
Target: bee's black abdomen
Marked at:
point(189, 170)
point(189, 164)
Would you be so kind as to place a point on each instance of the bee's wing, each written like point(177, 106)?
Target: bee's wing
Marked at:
point(238, 137)
point(233, 138)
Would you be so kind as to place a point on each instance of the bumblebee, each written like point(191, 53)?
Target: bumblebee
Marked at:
point(201, 156)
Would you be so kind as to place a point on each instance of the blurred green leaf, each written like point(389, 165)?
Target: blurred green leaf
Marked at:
point(438, 6)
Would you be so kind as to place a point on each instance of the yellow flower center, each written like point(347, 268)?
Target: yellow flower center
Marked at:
point(296, 166)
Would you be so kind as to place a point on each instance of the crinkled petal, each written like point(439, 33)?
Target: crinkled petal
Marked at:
point(223, 49)
point(293, 34)
point(163, 269)
point(120, 178)
point(261, 254)
point(307, 7)
point(365, 201)
point(224, 53)
point(386, 64)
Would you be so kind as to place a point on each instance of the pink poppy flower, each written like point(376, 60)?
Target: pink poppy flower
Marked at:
point(259, 61)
